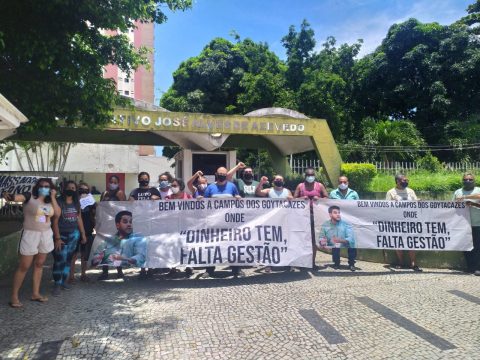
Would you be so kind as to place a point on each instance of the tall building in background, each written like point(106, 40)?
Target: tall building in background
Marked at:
point(139, 84)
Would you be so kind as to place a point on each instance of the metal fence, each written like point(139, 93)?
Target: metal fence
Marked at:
point(299, 165)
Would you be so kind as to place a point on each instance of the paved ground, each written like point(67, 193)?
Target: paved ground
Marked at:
point(375, 313)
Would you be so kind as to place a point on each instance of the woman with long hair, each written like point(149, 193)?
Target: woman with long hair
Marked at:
point(88, 208)
point(39, 207)
point(70, 229)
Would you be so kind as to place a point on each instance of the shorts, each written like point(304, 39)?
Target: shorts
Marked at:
point(35, 242)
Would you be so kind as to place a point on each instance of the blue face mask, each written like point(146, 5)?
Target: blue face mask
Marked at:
point(43, 191)
point(164, 184)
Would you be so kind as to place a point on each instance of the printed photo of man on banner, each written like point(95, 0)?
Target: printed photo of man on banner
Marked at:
point(123, 249)
point(390, 225)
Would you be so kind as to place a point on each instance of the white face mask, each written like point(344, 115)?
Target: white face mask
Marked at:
point(343, 186)
point(310, 179)
point(113, 186)
point(175, 190)
point(202, 187)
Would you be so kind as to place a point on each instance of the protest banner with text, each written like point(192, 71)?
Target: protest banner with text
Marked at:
point(406, 225)
point(200, 233)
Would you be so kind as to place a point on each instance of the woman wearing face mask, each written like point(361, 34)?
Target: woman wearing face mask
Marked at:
point(164, 181)
point(313, 190)
point(88, 207)
point(178, 193)
point(70, 228)
point(39, 207)
point(113, 193)
point(202, 184)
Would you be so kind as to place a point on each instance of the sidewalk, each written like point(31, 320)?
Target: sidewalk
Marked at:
point(374, 313)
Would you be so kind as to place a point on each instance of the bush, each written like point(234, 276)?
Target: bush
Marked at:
point(430, 163)
point(359, 175)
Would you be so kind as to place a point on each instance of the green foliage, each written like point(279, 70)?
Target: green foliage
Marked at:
point(359, 175)
point(390, 140)
point(52, 56)
point(421, 180)
point(430, 163)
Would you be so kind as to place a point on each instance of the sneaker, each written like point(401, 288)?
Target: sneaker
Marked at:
point(416, 268)
point(56, 290)
point(172, 272)
point(336, 266)
point(477, 273)
point(102, 277)
point(120, 275)
point(316, 268)
point(239, 274)
point(142, 275)
point(352, 268)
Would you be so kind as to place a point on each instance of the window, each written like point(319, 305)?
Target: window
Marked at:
point(127, 80)
point(127, 92)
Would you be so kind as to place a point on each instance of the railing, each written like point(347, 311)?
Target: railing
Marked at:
point(299, 165)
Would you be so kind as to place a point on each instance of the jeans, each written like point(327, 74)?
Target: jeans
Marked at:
point(62, 258)
point(352, 254)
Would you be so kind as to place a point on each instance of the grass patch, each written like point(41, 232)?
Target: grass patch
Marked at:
point(420, 180)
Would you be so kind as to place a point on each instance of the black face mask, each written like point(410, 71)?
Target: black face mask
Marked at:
point(278, 183)
point(143, 182)
point(69, 193)
point(248, 176)
point(468, 185)
point(221, 178)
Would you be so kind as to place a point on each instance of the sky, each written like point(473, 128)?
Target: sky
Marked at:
point(185, 34)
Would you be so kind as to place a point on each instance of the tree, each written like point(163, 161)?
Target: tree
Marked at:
point(427, 73)
point(52, 55)
point(388, 140)
point(39, 156)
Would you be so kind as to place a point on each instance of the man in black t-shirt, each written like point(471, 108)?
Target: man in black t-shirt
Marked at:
point(144, 192)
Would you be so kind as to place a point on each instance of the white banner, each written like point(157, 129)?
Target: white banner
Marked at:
point(200, 233)
point(407, 225)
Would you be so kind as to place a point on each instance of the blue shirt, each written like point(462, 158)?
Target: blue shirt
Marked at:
point(133, 247)
point(226, 190)
point(350, 195)
point(341, 230)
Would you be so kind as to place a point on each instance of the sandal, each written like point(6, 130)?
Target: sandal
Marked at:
point(17, 305)
point(41, 299)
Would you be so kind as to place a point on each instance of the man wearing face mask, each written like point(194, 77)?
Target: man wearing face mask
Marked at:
point(246, 185)
point(144, 192)
point(471, 194)
point(222, 188)
point(343, 192)
point(401, 192)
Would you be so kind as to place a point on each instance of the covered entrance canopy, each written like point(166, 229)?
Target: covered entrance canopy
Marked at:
point(281, 131)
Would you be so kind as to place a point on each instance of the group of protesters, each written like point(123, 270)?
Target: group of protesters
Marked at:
point(69, 219)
